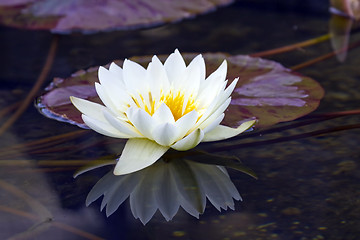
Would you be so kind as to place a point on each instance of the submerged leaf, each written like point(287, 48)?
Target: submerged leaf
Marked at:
point(266, 91)
point(93, 15)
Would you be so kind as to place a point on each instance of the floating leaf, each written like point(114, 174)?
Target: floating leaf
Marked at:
point(266, 91)
point(93, 15)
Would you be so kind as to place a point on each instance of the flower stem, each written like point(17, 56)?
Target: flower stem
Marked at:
point(284, 139)
point(59, 225)
point(292, 46)
point(42, 77)
point(323, 57)
point(41, 143)
point(9, 109)
point(310, 119)
point(307, 120)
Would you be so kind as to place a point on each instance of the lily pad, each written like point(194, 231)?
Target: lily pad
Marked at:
point(93, 15)
point(266, 91)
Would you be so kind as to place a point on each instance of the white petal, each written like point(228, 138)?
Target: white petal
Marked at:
point(107, 77)
point(218, 76)
point(118, 96)
point(223, 132)
point(214, 123)
point(165, 134)
point(134, 75)
point(190, 141)
point(142, 121)
point(120, 125)
point(91, 109)
point(106, 98)
point(212, 85)
point(163, 114)
point(190, 82)
point(222, 97)
point(186, 122)
point(115, 69)
point(118, 111)
point(103, 128)
point(209, 116)
point(199, 63)
point(210, 108)
point(175, 66)
point(217, 99)
point(137, 100)
point(193, 76)
point(138, 153)
point(113, 86)
point(157, 78)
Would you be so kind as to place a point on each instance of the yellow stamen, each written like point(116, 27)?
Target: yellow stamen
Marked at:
point(178, 105)
point(176, 101)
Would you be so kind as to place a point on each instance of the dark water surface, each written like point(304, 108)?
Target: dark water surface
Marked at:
point(308, 188)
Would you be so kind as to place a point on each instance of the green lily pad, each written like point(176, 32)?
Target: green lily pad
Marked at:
point(266, 91)
point(93, 15)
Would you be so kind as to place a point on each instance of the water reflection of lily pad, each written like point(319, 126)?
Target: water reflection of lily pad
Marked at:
point(266, 90)
point(165, 186)
point(93, 15)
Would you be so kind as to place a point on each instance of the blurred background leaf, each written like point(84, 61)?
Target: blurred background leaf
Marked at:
point(90, 16)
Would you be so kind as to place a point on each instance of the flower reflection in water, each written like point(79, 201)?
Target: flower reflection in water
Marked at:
point(167, 185)
point(345, 15)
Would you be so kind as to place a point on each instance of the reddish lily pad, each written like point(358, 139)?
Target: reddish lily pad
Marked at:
point(94, 15)
point(266, 91)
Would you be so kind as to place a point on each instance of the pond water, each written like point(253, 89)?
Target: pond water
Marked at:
point(307, 188)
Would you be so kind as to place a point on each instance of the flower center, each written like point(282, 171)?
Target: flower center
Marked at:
point(178, 103)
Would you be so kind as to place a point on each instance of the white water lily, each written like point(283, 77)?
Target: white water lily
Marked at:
point(168, 105)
